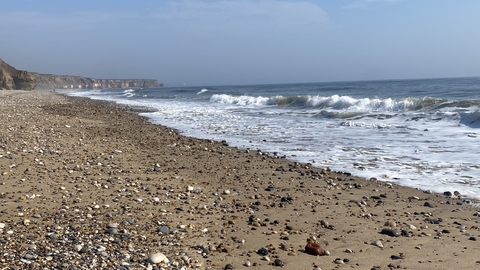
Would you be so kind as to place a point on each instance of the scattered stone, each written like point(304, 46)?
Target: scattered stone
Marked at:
point(112, 231)
point(263, 251)
point(391, 232)
point(427, 204)
point(156, 258)
point(313, 248)
point(278, 262)
point(378, 243)
point(164, 229)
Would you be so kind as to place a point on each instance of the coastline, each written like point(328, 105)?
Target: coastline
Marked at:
point(88, 182)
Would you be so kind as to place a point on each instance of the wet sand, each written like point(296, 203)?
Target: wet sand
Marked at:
point(89, 184)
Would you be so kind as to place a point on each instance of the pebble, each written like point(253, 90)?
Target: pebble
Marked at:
point(313, 248)
point(156, 258)
point(112, 231)
point(391, 232)
point(278, 262)
point(410, 226)
point(262, 251)
point(378, 243)
point(427, 204)
point(164, 229)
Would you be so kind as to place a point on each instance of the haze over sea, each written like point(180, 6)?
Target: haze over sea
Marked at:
point(418, 133)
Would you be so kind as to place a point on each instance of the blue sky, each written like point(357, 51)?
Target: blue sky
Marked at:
point(223, 42)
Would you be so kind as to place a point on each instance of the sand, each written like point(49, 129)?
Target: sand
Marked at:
point(89, 184)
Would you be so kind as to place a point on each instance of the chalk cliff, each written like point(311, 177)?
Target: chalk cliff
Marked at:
point(50, 81)
point(13, 79)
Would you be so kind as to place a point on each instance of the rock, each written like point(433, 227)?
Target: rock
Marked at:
point(13, 79)
point(427, 204)
point(50, 81)
point(313, 248)
point(262, 251)
point(391, 223)
point(278, 262)
point(112, 231)
point(391, 232)
point(164, 229)
point(156, 258)
point(377, 243)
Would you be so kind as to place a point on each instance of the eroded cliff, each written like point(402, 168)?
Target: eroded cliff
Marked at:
point(50, 81)
point(13, 79)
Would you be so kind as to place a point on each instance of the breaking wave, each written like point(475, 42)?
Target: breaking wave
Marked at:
point(337, 102)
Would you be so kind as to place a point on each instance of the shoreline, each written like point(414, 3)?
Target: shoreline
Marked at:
point(115, 189)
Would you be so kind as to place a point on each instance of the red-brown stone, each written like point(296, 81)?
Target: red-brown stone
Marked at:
point(313, 248)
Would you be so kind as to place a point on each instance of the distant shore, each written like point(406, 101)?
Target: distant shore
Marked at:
point(87, 184)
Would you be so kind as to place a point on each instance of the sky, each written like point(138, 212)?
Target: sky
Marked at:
point(225, 42)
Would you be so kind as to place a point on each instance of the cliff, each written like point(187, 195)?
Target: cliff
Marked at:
point(13, 79)
point(50, 81)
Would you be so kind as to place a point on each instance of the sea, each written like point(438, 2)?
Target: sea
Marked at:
point(422, 133)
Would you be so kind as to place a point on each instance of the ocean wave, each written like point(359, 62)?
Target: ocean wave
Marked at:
point(128, 93)
point(364, 125)
point(471, 119)
point(239, 100)
point(340, 103)
point(204, 90)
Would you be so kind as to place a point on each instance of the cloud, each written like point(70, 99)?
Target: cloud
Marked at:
point(369, 3)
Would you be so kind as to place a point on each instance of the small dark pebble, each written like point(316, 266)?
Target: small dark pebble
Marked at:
point(433, 220)
point(278, 262)
point(472, 238)
point(445, 231)
point(346, 260)
point(396, 257)
point(270, 188)
point(112, 230)
point(391, 232)
point(262, 251)
point(447, 193)
point(228, 266)
point(427, 204)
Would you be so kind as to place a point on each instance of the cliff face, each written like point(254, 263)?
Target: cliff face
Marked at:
point(50, 81)
point(13, 79)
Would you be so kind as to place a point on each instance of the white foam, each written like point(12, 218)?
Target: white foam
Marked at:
point(239, 100)
point(429, 150)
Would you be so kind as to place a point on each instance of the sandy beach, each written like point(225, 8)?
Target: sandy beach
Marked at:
point(89, 184)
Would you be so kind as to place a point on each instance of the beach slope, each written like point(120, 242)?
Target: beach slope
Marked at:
point(89, 184)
